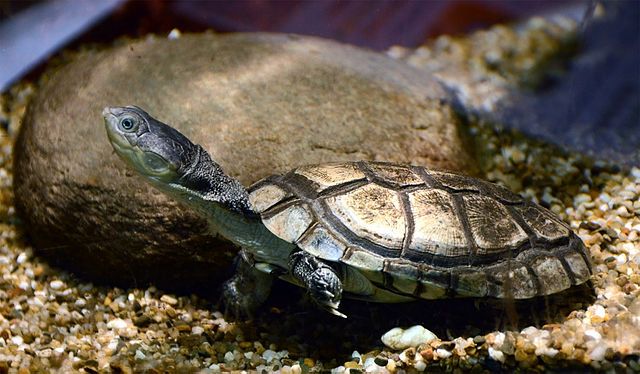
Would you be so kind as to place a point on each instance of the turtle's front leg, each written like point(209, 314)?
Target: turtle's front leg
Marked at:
point(247, 289)
point(320, 279)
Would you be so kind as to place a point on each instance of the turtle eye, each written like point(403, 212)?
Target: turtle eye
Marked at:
point(128, 124)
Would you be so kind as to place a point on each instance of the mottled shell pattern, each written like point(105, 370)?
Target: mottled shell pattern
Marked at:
point(423, 233)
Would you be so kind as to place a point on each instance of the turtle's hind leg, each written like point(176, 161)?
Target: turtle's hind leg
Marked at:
point(246, 290)
point(320, 279)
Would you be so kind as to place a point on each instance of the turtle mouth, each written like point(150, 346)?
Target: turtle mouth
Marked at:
point(119, 142)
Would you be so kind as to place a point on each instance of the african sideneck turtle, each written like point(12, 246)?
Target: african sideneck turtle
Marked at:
point(368, 230)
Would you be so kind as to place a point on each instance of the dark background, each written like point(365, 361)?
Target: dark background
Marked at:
point(377, 24)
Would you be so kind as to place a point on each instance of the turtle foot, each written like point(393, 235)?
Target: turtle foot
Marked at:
point(237, 304)
point(246, 291)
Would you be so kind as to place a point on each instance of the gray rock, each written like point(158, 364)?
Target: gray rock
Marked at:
point(260, 103)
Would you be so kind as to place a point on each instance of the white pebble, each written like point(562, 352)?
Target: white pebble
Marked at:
point(268, 355)
point(420, 365)
point(24, 285)
point(56, 284)
point(443, 353)
point(197, 330)
point(17, 340)
point(36, 301)
point(551, 352)
point(605, 197)
point(376, 370)
point(496, 355)
point(598, 311)
point(370, 361)
point(117, 324)
point(593, 334)
point(139, 355)
point(113, 345)
point(174, 34)
point(403, 357)
point(398, 338)
point(47, 352)
point(597, 353)
point(228, 357)
point(396, 52)
point(22, 257)
point(356, 355)
point(168, 299)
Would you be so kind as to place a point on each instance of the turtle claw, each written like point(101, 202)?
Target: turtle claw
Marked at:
point(332, 307)
point(328, 294)
point(330, 301)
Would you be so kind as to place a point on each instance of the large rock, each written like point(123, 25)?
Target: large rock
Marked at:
point(260, 103)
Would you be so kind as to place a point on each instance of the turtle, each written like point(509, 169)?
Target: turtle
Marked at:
point(374, 231)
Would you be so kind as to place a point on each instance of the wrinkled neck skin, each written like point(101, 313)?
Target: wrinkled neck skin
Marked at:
point(225, 204)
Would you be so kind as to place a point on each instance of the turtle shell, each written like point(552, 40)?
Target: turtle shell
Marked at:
point(423, 233)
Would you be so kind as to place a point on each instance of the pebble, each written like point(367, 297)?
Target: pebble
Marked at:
point(399, 338)
point(593, 334)
point(169, 299)
point(113, 345)
point(355, 355)
point(381, 361)
point(296, 369)
point(116, 324)
point(370, 361)
point(496, 355)
point(56, 284)
point(598, 352)
point(21, 259)
point(443, 353)
point(229, 357)
point(139, 355)
point(269, 355)
point(351, 365)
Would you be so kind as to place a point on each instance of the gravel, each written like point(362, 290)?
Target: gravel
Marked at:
point(51, 320)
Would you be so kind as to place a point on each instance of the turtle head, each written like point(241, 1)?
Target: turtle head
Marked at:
point(153, 149)
point(170, 161)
